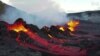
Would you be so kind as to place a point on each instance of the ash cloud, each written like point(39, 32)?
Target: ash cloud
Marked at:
point(38, 12)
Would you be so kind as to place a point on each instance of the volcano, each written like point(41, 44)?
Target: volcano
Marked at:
point(74, 38)
point(56, 40)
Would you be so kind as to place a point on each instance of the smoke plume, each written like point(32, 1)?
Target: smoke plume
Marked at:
point(38, 12)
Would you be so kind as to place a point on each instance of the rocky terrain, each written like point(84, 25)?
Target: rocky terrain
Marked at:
point(93, 16)
point(9, 46)
point(87, 33)
point(85, 41)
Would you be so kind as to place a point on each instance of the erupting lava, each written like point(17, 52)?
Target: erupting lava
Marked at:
point(47, 46)
point(72, 24)
point(62, 28)
point(19, 26)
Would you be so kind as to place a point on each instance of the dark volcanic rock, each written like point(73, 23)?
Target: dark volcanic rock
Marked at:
point(94, 52)
point(97, 35)
point(32, 27)
point(82, 39)
point(81, 32)
point(54, 31)
point(2, 7)
point(3, 29)
point(25, 38)
point(86, 44)
point(13, 34)
point(9, 47)
point(3, 25)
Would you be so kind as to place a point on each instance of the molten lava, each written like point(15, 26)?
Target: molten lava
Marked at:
point(50, 36)
point(49, 47)
point(18, 27)
point(72, 25)
point(62, 28)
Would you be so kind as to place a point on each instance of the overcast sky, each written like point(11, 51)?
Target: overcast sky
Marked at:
point(78, 5)
point(64, 5)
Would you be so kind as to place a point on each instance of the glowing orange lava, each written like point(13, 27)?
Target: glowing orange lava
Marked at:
point(50, 36)
point(17, 27)
point(48, 46)
point(62, 28)
point(72, 24)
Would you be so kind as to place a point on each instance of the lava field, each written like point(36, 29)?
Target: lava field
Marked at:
point(22, 39)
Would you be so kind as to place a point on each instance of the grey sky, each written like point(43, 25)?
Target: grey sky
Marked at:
point(64, 5)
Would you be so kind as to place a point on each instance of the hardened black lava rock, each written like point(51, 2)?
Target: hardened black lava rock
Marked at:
point(32, 27)
point(94, 51)
point(10, 47)
point(20, 20)
point(86, 43)
point(3, 25)
point(54, 31)
point(81, 32)
point(13, 34)
point(23, 37)
point(97, 35)
point(3, 28)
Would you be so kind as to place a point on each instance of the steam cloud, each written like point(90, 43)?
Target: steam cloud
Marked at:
point(38, 12)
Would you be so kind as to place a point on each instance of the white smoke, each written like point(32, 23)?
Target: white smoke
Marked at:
point(46, 12)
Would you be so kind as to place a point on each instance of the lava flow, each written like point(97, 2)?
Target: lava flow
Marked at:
point(72, 24)
point(44, 45)
point(18, 26)
point(62, 28)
